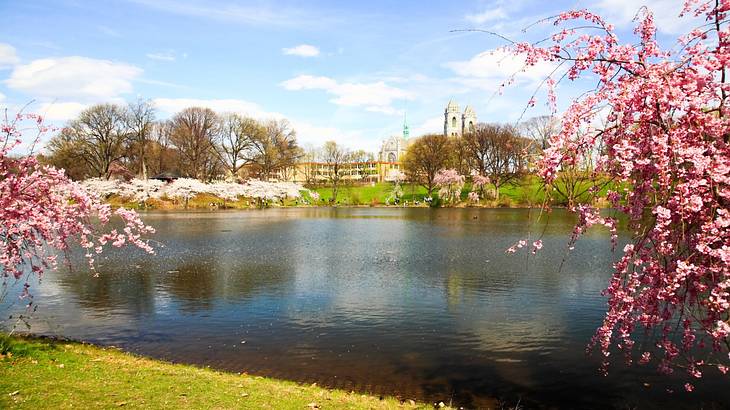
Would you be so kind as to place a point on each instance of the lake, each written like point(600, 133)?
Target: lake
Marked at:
point(417, 303)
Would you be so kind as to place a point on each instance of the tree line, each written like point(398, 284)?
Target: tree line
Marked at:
point(497, 151)
point(196, 142)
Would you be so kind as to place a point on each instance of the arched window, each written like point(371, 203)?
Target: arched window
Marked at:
point(391, 157)
point(453, 122)
point(471, 126)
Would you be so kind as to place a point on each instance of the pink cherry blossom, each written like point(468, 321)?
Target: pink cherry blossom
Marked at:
point(450, 184)
point(664, 143)
point(42, 212)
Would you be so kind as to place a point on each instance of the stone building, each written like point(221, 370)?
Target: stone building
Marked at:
point(457, 123)
point(393, 148)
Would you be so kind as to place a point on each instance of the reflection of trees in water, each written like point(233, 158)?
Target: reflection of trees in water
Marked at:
point(117, 287)
point(192, 283)
point(515, 304)
point(250, 280)
point(199, 283)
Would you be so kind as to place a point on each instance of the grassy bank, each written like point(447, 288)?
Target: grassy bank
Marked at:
point(522, 193)
point(42, 373)
point(526, 192)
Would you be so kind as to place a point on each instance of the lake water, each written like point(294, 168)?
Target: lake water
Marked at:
point(417, 303)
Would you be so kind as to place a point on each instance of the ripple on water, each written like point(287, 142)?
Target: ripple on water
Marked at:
point(416, 302)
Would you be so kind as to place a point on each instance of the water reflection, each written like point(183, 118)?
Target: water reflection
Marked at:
point(414, 302)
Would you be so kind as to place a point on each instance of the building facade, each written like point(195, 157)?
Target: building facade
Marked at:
point(394, 147)
point(457, 123)
point(318, 173)
point(388, 159)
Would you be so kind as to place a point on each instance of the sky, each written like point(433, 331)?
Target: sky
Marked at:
point(344, 71)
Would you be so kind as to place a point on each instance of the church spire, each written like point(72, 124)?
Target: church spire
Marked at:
point(406, 132)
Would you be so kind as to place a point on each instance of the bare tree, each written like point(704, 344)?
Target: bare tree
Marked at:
point(575, 178)
point(236, 141)
point(540, 129)
point(335, 156)
point(460, 156)
point(275, 149)
point(360, 160)
point(362, 156)
point(497, 152)
point(194, 132)
point(425, 157)
point(98, 137)
point(478, 146)
point(161, 155)
point(309, 165)
point(140, 122)
point(63, 153)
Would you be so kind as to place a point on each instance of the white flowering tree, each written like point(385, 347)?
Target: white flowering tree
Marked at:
point(450, 184)
point(186, 188)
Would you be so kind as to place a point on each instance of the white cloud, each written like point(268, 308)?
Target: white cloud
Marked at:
point(309, 82)
point(302, 50)
point(489, 69)
point(174, 105)
point(162, 56)
point(61, 111)
point(310, 134)
point(430, 126)
point(376, 97)
point(8, 58)
point(78, 78)
point(307, 133)
point(385, 110)
point(486, 16)
point(2, 96)
point(666, 13)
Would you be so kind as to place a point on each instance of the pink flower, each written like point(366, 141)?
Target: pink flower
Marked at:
point(42, 211)
point(645, 358)
point(656, 126)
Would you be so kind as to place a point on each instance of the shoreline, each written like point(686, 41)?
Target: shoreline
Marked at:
point(39, 371)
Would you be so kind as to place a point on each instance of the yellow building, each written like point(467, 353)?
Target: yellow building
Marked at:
point(353, 172)
point(385, 168)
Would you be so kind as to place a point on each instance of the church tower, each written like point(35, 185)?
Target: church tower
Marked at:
point(406, 132)
point(468, 120)
point(452, 120)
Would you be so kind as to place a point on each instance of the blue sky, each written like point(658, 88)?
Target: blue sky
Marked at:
point(344, 71)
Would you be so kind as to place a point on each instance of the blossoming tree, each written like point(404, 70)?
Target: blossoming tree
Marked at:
point(450, 184)
point(187, 188)
point(666, 139)
point(479, 184)
point(42, 212)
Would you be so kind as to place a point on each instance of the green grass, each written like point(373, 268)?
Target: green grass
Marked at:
point(524, 192)
point(370, 194)
point(528, 191)
point(42, 373)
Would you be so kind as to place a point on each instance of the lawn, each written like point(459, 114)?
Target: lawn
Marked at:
point(370, 194)
point(528, 191)
point(42, 373)
point(524, 192)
